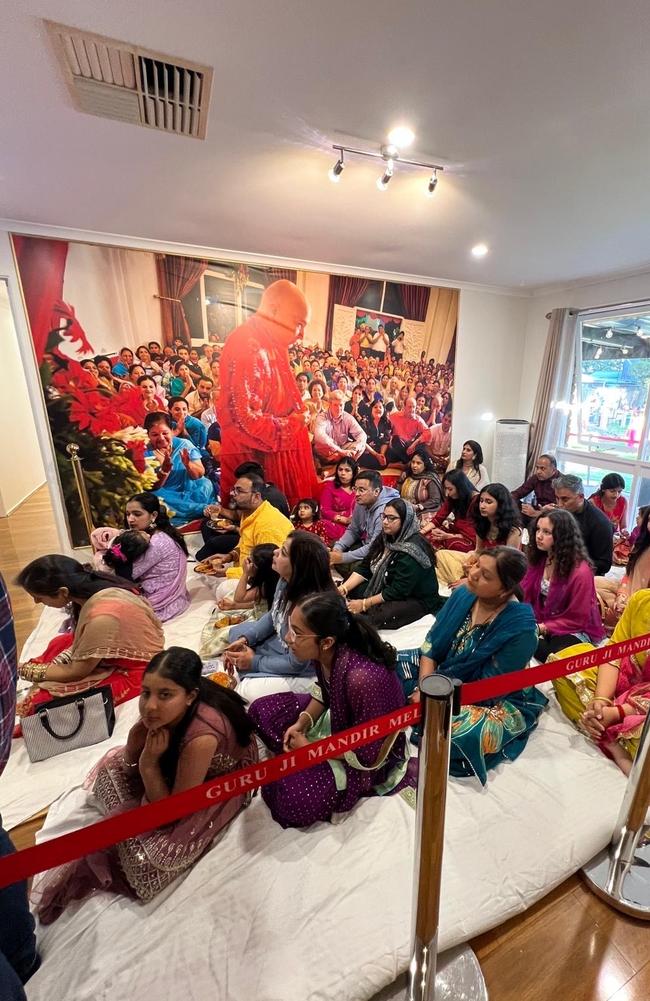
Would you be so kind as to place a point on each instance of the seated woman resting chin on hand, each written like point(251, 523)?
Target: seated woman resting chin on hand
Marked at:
point(610, 703)
point(190, 730)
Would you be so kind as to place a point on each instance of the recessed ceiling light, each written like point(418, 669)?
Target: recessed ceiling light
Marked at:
point(401, 136)
point(480, 250)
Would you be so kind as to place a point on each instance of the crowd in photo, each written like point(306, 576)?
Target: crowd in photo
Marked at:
point(397, 529)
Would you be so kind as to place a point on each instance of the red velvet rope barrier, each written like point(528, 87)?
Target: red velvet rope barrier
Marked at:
point(108, 832)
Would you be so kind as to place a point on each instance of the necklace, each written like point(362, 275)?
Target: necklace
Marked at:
point(479, 618)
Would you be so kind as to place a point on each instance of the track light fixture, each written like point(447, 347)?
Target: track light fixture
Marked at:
point(390, 154)
point(382, 182)
point(337, 169)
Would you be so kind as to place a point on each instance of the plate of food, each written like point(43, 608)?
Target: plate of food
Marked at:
point(208, 570)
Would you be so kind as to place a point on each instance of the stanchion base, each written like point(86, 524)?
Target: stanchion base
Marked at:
point(625, 887)
point(458, 977)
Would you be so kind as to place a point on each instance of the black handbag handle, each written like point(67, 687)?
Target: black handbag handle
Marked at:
point(45, 721)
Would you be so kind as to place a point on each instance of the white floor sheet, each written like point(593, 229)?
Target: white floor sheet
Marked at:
point(317, 915)
point(324, 914)
point(27, 788)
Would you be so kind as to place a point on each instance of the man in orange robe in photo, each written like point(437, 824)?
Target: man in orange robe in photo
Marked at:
point(261, 413)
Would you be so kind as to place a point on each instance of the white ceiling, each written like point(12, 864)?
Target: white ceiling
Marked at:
point(541, 108)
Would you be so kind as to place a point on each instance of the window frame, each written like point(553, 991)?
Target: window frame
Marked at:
point(636, 466)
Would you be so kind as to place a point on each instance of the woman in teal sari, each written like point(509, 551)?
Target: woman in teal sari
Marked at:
point(181, 483)
point(483, 631)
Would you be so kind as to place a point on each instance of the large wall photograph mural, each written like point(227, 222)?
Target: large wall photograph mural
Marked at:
point(164, 372)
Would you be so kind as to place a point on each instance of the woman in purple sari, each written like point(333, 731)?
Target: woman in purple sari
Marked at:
point(356, 681)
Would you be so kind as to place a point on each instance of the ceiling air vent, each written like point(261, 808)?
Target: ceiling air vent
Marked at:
point(116, 80)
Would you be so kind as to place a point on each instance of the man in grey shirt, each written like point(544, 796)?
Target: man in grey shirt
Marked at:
point(372, 497)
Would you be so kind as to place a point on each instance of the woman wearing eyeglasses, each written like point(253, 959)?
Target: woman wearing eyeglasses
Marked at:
point(356, 682)
point(396, 582)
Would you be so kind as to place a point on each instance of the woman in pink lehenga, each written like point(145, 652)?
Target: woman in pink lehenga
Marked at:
point(190, 730)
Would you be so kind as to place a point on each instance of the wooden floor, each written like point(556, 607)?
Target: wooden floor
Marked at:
point(27, 533)
point(568, 947)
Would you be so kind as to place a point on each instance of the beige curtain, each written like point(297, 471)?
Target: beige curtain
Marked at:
point(555, 384)
point(440, 323)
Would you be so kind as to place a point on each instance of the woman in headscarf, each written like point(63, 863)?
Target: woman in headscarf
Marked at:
point(420, 484)
point(396, 583)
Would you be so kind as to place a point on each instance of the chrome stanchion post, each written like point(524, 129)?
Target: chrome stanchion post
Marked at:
point(459, 974)
point(73, 452)
point(620, 874)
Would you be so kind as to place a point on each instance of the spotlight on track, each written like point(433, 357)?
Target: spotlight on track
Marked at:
point(336, 171)
point(433, 181)
point(382, 182)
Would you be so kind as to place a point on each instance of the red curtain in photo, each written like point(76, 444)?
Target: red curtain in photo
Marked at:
point(41, 266)
point(176, 277)
point(416, 301)
point(344, 291)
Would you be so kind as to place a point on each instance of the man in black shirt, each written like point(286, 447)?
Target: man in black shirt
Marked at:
point(596, 528)
point(220, 542)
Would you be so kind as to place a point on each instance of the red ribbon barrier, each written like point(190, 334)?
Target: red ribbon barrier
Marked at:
point(504, 684)
point(108, 832)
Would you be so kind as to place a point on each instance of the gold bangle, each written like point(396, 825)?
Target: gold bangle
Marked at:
point(601, 698)
point(308, 715)
point(363, 605)
point(32, 672)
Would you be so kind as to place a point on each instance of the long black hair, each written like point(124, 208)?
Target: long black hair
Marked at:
point(507, 516)
point(476, 449)
point(429, 469)
point(642, 542)
point(611, 481)
point(310, 567)
point(326, 614)
point(465, 489)
point(48, 574)
point(263, 576)
point(568, 545)
point(183, 667)
point(152, 505)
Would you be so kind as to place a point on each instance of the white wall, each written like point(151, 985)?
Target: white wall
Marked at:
point(113, 292)
point(21, 466)
point(591, 296)
point(489, 359)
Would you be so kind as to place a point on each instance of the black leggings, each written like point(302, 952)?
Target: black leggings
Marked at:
point(216, 542)
point(394, 614)
point(553, 644)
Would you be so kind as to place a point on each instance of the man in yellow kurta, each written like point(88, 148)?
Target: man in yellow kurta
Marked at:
point(260, 523)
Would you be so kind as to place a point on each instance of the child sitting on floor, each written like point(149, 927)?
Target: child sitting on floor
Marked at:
point(257, 584)
point(306, 517)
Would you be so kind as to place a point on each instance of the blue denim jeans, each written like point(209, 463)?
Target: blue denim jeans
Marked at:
point(18, 955)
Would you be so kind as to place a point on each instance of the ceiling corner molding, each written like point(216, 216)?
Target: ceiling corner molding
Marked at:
point(239, 256)
point(554, 288)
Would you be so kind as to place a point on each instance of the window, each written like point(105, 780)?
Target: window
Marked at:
point(221, 300)
point(608, 416)
point(383, 297)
